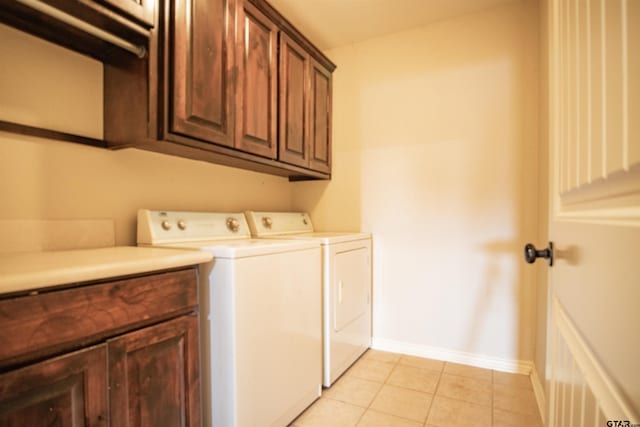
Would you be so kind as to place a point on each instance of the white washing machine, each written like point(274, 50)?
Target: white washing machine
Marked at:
point(260, 317)
point(346, 284)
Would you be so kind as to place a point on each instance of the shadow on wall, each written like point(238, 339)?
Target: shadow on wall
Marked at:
point(435, 143)
point(522, 295)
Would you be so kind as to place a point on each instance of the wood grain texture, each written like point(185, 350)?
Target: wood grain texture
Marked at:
point(39, 325)
point(67, 391)
point(256, 92)
point(295, 34)
point(293, 103)
point(202, 70)
point(154, 376)
point(147, 103)
point(320, 118)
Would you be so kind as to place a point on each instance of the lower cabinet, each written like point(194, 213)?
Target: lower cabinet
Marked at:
point(158, 367)
point(69, 390)
point(130, 371)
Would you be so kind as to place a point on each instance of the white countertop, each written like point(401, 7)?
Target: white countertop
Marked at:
point(35, 270)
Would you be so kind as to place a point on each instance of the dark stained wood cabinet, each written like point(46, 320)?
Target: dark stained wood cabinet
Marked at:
point(66, 391)
point(159, 366)
point(320, 117)
point(256, 89)
point(305, 108)
point(214, 86)
point(111, 353)
point(201, 61)
point(294, 102)
point(225, 81)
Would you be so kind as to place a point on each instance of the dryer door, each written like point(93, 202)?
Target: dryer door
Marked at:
point(352, 284)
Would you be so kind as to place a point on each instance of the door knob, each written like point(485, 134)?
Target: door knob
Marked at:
point(531, 253)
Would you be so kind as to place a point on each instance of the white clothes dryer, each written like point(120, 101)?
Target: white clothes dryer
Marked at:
point(346, 285)
point(260, 317)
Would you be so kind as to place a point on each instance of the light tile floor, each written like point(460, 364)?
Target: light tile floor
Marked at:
point(392, 390)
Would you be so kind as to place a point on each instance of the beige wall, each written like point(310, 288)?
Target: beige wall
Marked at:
point(436, 153)
point(47, 86)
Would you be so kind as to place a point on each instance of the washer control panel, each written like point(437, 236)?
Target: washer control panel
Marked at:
point(156, 227)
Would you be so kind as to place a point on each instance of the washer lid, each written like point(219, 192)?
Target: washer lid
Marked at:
point(231, 249)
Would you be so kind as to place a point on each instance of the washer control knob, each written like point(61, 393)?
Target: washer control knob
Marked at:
point(166, 225)
point(233, 225)
point(267, 221)
point(182, 225)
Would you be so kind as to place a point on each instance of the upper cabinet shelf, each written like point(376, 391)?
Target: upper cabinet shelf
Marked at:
point(92, 27)
point(230, 95)
point(226, 81)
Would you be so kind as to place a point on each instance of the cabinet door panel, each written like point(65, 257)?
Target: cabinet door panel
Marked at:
point(294, 132)
point(256, 102)
point(154, 376)
point(70, 390)
point(201, 81)
point(320, 122)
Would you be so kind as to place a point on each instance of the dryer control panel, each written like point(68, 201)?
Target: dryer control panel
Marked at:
point(263, 224)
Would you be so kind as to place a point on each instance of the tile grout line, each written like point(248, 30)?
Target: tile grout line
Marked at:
point(385, 382)
point(397, 363)
point(368, 408)
point(434, 393)
point(492, 388)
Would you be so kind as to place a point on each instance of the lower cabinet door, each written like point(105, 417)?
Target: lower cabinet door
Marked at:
point(154, 377)
point(66, 391)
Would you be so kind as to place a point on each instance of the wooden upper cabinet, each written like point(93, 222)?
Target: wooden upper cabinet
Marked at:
point(294, 103)
point(226, 81)
point(320, 118)
point(305, 108)
point(201, 70)
point(256, 92)
point(141, 10)
point(70, 390)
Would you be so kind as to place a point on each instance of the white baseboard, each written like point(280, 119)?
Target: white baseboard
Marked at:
point(538, 390)
point(447, 355)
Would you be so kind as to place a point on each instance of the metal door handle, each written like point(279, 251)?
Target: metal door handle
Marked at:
point(531, 253)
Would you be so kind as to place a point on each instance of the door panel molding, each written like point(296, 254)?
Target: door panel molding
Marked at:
point(580, 391)
point(594, 52)
point(256, 94)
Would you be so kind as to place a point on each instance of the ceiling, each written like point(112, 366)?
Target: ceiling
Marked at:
point(333, 23)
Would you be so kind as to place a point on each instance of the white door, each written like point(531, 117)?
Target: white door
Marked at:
point(593, 352)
